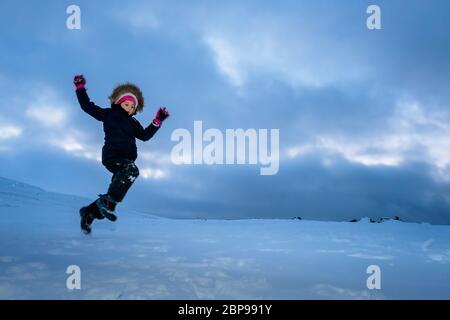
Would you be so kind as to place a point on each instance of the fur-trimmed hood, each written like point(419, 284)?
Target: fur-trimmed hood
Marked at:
point(128, 87)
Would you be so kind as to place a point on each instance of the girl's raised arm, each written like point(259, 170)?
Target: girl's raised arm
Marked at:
point(86, 104)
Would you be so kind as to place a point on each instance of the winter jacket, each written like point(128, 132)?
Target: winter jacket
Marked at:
point(121, 129)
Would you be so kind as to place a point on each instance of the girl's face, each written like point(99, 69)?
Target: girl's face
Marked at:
point(128, 106)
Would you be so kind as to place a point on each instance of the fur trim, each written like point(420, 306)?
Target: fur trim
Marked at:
point(128, 87)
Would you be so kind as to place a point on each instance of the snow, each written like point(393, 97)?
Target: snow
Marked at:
point(141, 256)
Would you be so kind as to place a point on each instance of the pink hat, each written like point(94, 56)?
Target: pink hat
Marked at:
point(128, 97)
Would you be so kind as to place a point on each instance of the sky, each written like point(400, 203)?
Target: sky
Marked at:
point(363, 115)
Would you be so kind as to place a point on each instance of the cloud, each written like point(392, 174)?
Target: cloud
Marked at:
point(350, 149)
point(9, 131)
point(47, 107)
point(154, 165)
point(47, 115)
point(155, 174)
point(279, 48)
point(370, 256)
point(408, 129)
point(417, 125)
point(10, 134)
point(144, 20)
point(246, 42)
point(226, 59)
point(155, 157)
point(140, 18)
point(49, 123)
point(75, 144)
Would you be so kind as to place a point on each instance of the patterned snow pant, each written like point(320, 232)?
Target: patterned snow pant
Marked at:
point(124, 173)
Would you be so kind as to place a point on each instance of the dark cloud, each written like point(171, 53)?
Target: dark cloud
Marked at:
point(306, 187)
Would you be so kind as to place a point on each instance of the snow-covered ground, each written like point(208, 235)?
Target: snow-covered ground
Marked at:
point(143, 256)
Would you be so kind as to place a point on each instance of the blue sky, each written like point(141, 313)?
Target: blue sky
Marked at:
point(363, 115)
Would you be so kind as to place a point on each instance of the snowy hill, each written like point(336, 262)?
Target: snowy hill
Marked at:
point(143, 256)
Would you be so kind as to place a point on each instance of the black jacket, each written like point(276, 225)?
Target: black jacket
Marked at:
point(121, 129)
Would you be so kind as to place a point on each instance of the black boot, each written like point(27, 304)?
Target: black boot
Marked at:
point(95, 211)
point(86, 220)
point(106, 206)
